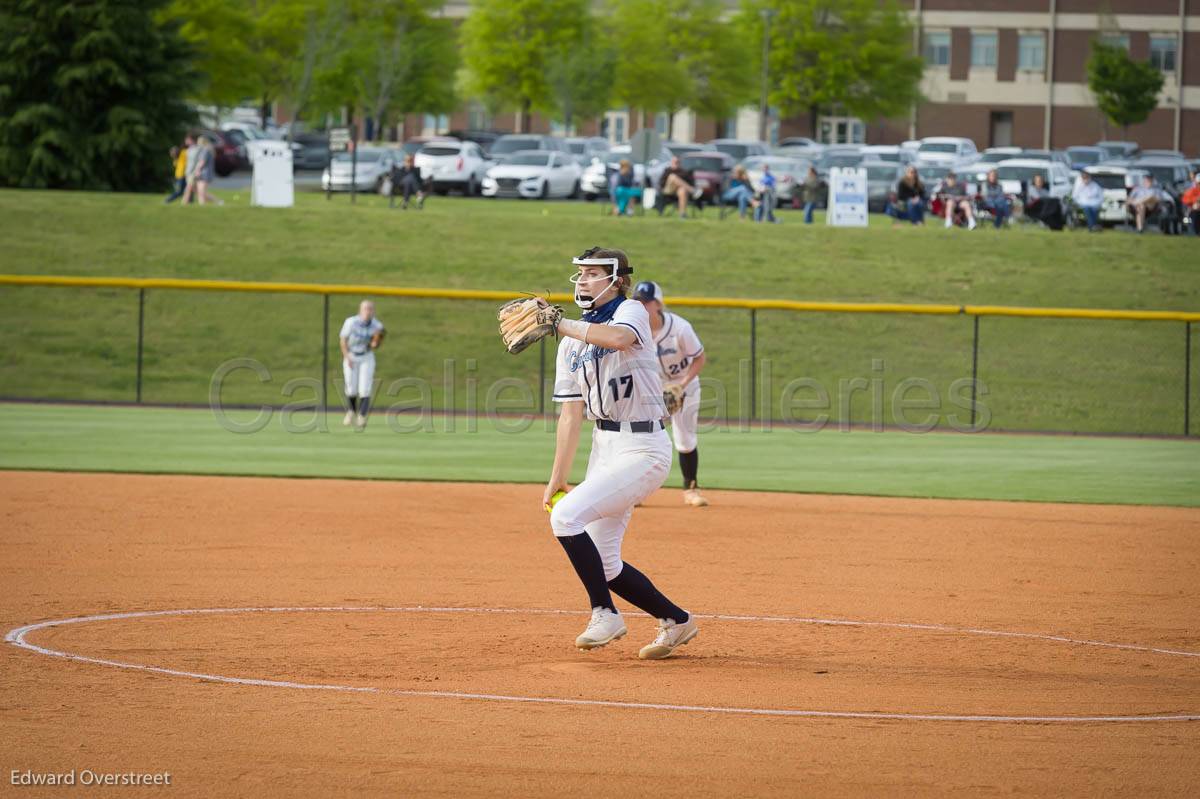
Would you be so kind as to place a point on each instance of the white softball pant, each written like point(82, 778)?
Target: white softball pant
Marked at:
point(685, 420)
point(359, 371)
point(624, 469)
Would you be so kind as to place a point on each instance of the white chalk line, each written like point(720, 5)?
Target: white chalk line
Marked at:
point(17, 637)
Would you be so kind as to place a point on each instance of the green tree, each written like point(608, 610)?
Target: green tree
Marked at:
point(1126, 91)
point(580, 75)
point(91, 94)
point(852, 54)
point(226, 63)
point(508, 47)
point(649, 75)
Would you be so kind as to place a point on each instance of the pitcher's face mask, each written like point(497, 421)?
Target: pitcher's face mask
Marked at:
point(589, 286)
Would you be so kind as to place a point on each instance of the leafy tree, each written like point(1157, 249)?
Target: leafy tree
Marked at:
point(1126, 91)
point(580, 75)
point(854, 54)
point(91, 94)
point(649, 75)
point(217, 32)
point(508, 47)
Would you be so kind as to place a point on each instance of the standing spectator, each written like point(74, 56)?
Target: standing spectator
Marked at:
point(1191, 203)
point(995, 200)
point(766, 201)
point(192, 153)
point(1089, 197)
point(625, 187)
point(179, 162)
point(678, 182)
point(205, 169)
point(406, 179)
point(910, 199)
point(1144, 200)
point(740, 191)
point(810, 192)
point(1041, 206)
point(954, 197)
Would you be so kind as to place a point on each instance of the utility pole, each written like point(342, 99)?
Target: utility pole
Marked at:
point(763, 108)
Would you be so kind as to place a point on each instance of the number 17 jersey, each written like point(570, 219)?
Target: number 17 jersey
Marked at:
point(614, 385)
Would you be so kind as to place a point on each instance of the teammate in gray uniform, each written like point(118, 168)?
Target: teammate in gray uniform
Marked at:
point(361, 335)
point(681, 356)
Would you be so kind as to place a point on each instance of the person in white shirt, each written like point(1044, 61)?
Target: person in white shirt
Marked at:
point(1088, 195)
point(362, 334)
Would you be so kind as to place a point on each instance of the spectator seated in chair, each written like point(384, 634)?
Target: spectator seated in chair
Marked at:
point(740, 191)
point(1039, 205)
point(956, 207)
point(1088, 196)
point(625, 188)
point(1191, 204)
point(909, 201)
point(766, 198)
point(677, 182)
point(406, 180)
point(995, 200)
point(1145, 200)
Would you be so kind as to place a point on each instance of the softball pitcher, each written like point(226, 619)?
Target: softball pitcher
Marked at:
point(607, 370)
point(680, 357)
point(361, 335)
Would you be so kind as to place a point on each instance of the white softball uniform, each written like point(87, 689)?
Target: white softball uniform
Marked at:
point(622, 391)
point(678, 346)
point(359, 368)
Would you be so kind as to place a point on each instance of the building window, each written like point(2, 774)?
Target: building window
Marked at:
point(937, 49)
point(660, 123)
point(614, 125)
point(841, 130)
point(1031, 52)
point(1116, 40)
point(477, 116)
point(1162, 52)
point(435, 124)
point(983, 49)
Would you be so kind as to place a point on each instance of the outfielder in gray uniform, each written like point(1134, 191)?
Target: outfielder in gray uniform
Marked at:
point(361, 335)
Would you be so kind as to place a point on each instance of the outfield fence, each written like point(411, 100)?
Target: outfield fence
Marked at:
point(882, 365)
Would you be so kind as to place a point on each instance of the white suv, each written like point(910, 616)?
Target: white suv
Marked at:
point(947, 149)
point(452, 165)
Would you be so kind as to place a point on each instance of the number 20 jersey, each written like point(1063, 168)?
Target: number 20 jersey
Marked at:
point(615, 385)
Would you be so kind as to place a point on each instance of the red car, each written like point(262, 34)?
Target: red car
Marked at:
point(229, 157)
point(711, 170)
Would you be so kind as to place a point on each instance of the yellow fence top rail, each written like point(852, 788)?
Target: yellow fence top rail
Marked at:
point(686, 302)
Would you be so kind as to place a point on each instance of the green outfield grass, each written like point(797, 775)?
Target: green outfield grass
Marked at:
point(981, 466)
point(1080, 376)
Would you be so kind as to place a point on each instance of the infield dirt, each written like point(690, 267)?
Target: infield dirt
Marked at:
point(74, 544)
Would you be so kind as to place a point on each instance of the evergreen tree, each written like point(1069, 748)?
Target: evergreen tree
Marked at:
point(91, 94)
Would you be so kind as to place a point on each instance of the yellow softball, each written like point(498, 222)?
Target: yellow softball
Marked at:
point(554, 500)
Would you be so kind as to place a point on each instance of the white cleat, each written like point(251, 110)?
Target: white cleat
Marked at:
point(693, 497)
point(360, 422)
point(348, 419)
point(670, 635)
point(605, 627)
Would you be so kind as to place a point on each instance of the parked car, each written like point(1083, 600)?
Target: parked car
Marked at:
point(484, 138)
point(414, 145)
point(1171, 173)
point(1083, 157)
point(457, 165)
point(738, 149)
point(710, 170)
point(310, 151)
point(882, 177)
point(1117, 181)
point(681, 148)
point(953, 149)
point(1163, 154)
point(840, 157)
point(511, 143)
point(789, 174)
point(530, 174)
point(799, 147)
point(1119, 149)
point(931, 173)
point(229, 157)
point(978, 167)
point(366, 170)
point(887, 152)
point(1016, 174)
point(594, 180)
point(585, 148)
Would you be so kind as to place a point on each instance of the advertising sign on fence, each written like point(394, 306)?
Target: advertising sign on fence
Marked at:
point(271, 185)
point(847, 197)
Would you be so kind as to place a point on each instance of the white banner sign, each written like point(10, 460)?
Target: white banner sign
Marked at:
point(847, 197)
point(271, 185)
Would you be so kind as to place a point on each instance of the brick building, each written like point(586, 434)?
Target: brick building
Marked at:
point(998, 71)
